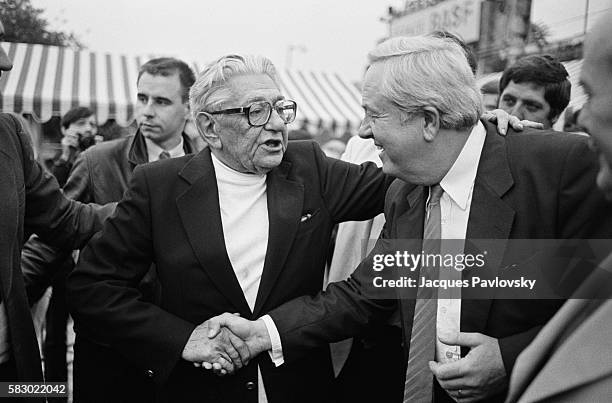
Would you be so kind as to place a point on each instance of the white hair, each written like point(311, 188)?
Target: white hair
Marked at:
point(211, 81)
point(424, 71)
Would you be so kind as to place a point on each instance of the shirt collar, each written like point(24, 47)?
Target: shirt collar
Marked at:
point(459, 180)
point(153, 150)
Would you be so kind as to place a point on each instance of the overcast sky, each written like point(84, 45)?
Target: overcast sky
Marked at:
point(331, 35)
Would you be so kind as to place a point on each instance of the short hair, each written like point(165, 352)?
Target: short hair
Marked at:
point(545, 71)
point(167, 66)
point(469, 53)
point(214, 76)
point(75, 114)
point(422, 71)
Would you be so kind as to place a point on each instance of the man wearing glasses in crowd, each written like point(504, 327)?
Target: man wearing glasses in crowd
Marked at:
point(243, 227)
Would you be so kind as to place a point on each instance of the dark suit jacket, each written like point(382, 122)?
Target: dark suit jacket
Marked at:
point(170, 216)
point(31, 201)
point(528, 185)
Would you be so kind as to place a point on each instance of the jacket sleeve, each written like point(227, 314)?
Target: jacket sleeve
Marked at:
point(48, 213)
point(351, 192)
point(344, 309)
point(103, 289)
point(39, 264)
point(41, 261)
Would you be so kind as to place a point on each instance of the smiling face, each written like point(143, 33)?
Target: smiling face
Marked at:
point(240, 146)
point(161, 112)
point(400, 140)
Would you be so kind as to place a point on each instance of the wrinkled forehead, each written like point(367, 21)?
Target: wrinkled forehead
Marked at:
point(248, 88)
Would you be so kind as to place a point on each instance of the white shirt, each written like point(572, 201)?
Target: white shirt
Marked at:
point(244, 205)
point(458, 185)
point(153, 150)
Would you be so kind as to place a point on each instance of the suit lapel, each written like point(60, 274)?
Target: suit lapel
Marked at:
point(200, 214)
point(490, 219)
point(285, 201)
point(409, 227)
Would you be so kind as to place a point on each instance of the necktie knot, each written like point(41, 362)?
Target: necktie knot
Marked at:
point(164, 155)
point(435, 193)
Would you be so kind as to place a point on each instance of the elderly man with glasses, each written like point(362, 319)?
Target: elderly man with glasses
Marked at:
point(241, 227)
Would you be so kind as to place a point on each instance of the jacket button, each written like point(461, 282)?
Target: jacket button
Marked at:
point(149, 373)
point(250, 385)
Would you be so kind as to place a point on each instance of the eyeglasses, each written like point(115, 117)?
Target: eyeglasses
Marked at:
point(258, 113)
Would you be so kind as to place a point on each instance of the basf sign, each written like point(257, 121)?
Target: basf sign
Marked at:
point(460, 17)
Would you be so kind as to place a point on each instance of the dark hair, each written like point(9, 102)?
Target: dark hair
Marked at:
point(75, 114)
point(469, 54)
point(545, 71)
point(490, 87)
point(166, 66)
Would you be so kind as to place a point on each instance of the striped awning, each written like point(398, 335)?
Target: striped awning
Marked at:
point(48, 81)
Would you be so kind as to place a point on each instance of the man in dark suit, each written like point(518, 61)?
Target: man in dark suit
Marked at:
point(101, 174)
point(475, 185)
point(569, 361)
point(243, 226)
point(30, 202)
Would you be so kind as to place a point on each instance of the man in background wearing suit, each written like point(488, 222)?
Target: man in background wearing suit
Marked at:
point(569, 361)
point(422, 108)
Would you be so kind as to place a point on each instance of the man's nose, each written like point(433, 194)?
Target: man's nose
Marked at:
point(148, 109)
point(517, 111)
point(364, 130)
point(5, 61)
point(275, 123)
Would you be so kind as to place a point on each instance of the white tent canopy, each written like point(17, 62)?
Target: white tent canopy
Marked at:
point(49, 80)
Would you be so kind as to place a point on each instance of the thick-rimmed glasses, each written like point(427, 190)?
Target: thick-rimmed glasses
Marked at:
point(258, 113)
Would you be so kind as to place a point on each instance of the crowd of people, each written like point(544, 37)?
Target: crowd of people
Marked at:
point(201, 270)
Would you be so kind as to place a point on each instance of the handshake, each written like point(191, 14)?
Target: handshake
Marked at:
point(226, 343)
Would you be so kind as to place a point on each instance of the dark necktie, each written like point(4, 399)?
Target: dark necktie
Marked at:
point(419, 379)
point(164, 155)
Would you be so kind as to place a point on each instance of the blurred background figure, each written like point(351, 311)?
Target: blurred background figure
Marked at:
point(490, 94)
point(79, 132)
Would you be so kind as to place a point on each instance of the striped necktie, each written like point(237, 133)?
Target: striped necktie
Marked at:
point(419, 379)
point(164, 155)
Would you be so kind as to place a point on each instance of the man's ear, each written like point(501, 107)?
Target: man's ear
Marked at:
point(206, 128)
point(431, 123)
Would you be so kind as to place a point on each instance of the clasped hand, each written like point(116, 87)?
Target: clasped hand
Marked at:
point(226, 343)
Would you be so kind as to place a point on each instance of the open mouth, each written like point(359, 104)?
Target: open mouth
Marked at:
point(273, 143)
